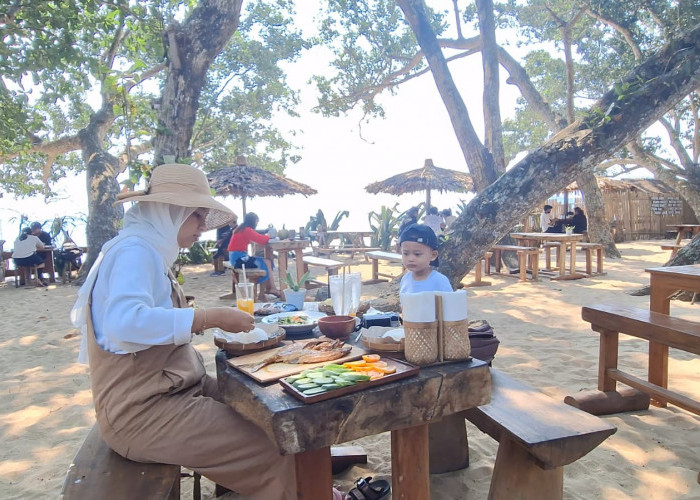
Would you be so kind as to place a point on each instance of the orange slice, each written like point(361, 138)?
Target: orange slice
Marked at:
point(371, 358)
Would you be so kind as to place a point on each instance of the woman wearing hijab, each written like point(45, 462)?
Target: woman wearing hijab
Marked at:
point(153, 400)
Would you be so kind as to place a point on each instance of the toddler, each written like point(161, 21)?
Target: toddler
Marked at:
point(419, 250)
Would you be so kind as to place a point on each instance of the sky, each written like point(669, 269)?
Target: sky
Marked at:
point(336, 161)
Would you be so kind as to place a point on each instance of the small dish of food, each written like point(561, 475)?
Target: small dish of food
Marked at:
point(294, 322)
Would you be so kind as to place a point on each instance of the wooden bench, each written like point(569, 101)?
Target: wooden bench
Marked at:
point(673, 248)
point(377, 255)
point(331, 266)
point(547, 246)
point(590, 248)
point(318, 251)
point(525, 254)
point(537, 436)
point(99, 472)
point(252, 275)
point(483, 261)
point(657, 328)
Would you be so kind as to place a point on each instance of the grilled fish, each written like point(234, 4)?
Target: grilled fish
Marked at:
point(313, 351)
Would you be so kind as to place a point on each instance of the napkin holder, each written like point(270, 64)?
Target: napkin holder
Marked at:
point(437, 341)
point(454, 335)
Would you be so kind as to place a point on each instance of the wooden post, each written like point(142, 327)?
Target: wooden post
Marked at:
point(607, 358)
point(516, 475)
point(449, 449)
point(410, 469)
point(313, 471)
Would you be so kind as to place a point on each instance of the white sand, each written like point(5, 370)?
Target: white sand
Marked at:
point(655, 454)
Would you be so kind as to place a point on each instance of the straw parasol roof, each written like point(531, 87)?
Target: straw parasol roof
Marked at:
point(425, 179)
point(244, 181)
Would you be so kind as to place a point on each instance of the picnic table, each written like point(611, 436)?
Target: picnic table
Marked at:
point(570, 240)
point(405, 407)
point(282, 247)
point(682, 229)
point(48, 264)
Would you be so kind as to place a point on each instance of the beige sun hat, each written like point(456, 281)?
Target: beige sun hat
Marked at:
point(184, 186)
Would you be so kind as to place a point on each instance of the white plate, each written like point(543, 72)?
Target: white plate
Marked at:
point(273, 319)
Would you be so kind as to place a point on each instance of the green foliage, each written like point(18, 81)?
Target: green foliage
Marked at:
point(338, 217)
point(385, 225)
point(294, 284)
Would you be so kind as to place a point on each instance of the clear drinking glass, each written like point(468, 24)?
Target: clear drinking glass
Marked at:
point(244, 297)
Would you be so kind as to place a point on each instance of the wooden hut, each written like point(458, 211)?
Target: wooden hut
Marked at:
point(637, 209)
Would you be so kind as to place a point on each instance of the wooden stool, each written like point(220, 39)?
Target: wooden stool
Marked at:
point(548, 253)
point(25, 273)
point(589, 248)
point(486, 260)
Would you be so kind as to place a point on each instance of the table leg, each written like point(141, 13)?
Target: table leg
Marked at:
point(410, 468)
point(282, 265)
point(449, 447)
point(659, 301)
point(679, 236)
point(299, 258)
point(48, 266)
point(561, 258)
point(313, 471)
point(572, 259)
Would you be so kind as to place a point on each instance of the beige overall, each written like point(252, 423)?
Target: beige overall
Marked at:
point(159, 405)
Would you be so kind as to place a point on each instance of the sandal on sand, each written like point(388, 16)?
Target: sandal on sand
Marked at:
point(366, 489)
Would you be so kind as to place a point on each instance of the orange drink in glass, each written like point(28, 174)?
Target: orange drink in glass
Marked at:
point(244, 297)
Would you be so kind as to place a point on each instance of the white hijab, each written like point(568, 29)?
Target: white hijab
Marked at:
point(153, 222)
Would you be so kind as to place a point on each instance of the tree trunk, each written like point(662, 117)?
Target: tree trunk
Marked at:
point(477, 156)
point(598, 226)
point(657, 84)
point(190, 48)
point(492, 111)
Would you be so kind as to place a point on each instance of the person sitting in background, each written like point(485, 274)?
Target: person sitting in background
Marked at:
point(242, 236)
point(26, 253)
point(558, 226)
point(579, 221)
point(223, 236)
point(447, 219)
point(433, 220)
point(547, 220)
point(410, 217)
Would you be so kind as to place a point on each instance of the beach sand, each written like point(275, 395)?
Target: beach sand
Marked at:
point(655, 454)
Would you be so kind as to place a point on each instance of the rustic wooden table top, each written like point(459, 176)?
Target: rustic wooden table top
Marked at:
point(434, 393)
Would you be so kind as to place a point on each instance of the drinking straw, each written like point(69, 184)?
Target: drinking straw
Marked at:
point(245, 281)
point(342, 295)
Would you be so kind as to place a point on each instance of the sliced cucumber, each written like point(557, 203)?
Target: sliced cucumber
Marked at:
point(323, 380)
point(305, 387)
point(304, 380)
point(314, 390)
point(355, 377)
point(330, 387)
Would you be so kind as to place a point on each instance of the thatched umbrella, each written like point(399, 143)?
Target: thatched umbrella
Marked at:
point(243, 181)
point(425, 179)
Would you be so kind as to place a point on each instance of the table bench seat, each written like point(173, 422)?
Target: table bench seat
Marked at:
point(99, 472)
point(331, 266)
point(590, 249)
point(524, 253)
point(672, 247)
point(537, 436)
point(658, 329)
point(375, 256)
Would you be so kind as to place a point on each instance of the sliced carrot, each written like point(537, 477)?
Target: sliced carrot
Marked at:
point(371, 358)
point(351, 364)
point(387, 369)
point(382, 364)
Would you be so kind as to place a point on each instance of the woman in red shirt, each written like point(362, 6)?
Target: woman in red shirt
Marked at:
point(242, 236)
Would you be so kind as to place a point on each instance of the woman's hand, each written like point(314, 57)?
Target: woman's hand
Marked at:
point(229, 319)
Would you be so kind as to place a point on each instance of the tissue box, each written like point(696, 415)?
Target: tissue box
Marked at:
point(384, 319)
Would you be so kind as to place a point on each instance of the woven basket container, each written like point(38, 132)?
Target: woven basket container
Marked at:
point(421, 343)
point(455, 336)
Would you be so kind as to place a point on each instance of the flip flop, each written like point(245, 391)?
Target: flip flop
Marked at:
point(366, 489)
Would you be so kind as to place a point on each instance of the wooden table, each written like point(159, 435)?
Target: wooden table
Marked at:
point(405, 407)
point(282, 247)
point(48, 264)
point(357, 238)
point(570, 240)
point(682, 229)
point(664, 282)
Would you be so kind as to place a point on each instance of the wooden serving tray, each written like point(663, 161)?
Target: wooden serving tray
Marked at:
point(403, 370)
point(276, 371)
